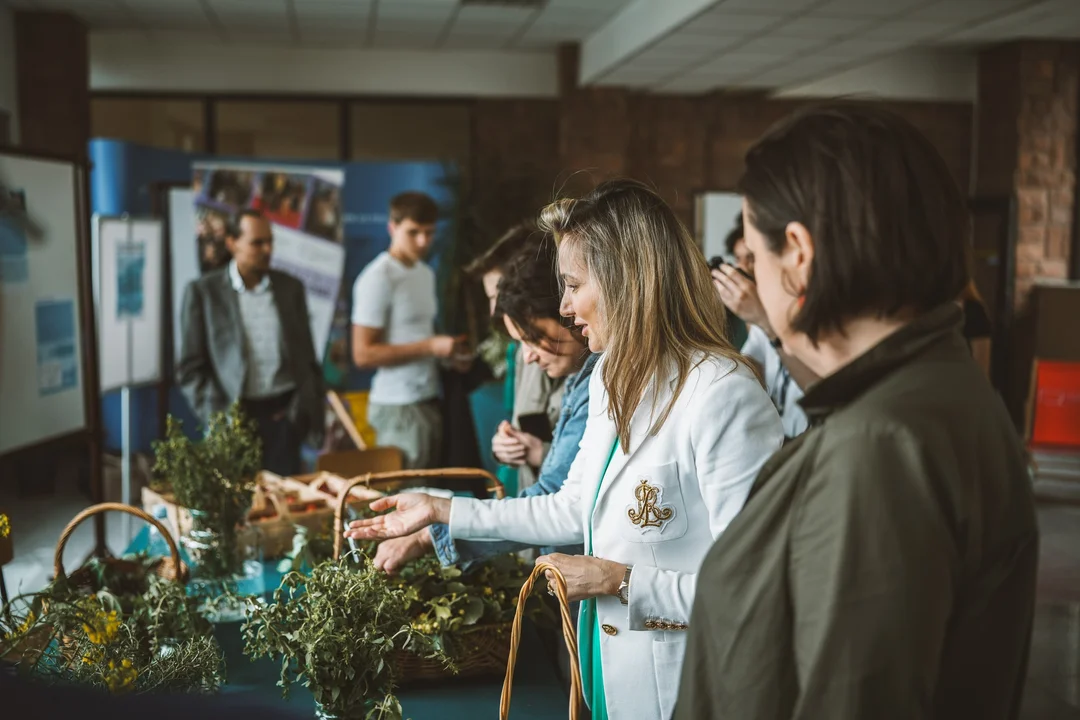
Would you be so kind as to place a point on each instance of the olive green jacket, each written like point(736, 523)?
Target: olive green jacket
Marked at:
point(884, 565)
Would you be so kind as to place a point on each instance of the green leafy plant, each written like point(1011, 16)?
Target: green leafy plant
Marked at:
point(215, 479)
point(441, 602)
point(136, 632)
point(336, 631)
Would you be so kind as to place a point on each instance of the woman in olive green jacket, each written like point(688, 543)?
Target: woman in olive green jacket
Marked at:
point(884, 564)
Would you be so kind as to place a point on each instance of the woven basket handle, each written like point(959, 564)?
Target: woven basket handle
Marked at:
point(559, 584)
point(339, 511)
point(58, 557)
point(494, 486)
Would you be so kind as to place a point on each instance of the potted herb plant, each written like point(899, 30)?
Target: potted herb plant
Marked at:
point(337, 630)
point(214, 479)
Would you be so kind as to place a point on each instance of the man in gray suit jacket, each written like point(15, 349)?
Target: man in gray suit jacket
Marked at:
point(246, 336)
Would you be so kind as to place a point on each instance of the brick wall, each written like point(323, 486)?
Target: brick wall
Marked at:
point(682, 145)
point(1045, 177)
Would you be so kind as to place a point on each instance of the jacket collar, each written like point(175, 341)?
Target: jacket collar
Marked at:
point(846, 384)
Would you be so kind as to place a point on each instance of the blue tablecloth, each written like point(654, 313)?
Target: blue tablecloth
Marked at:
point(538, 692)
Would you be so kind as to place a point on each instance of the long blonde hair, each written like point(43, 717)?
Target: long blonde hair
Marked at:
point(661, 312)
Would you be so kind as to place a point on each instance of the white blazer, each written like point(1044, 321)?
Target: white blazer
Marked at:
point(660, 508)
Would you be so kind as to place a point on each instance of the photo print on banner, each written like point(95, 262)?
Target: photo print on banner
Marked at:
point(303, 205)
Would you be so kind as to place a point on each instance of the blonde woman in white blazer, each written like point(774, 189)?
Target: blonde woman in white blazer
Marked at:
point(678, 428)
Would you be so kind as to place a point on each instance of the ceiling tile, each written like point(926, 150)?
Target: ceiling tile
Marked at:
point(613, 5)
point(403, 40)
point(410, 10)
point(909, 30)
point(405, 26)
point(864, 8)
point(681, 39)
point(716, 22)
point(579, 16)
point(461, 41)
point(336, 39)
point(966, 10)
point(859, 47)
point(825, 28)
point(778, 6)
point(771, 45)
point(494, 14)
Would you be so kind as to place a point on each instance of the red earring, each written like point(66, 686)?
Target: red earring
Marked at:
point(801, 301)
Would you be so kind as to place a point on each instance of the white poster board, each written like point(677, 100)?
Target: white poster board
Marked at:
point(183, 254)
point(128, 292)
point(716, 213)
point(41, 361)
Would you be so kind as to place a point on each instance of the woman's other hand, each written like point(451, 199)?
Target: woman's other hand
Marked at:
point(507, 447)
point(585, 576)
point(534, 447)
point(411, 512)
point(393, 555)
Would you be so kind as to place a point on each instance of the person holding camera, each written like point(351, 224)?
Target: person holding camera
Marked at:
point(785, 377)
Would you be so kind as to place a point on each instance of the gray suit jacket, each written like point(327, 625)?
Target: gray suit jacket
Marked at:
point(212, 365)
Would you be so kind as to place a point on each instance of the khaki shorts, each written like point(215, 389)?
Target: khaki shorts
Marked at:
point(416, 429)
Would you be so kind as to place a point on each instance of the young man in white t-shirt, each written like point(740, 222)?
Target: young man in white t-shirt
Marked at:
point(393, 317)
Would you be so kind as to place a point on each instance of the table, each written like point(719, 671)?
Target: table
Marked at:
point(538, 692)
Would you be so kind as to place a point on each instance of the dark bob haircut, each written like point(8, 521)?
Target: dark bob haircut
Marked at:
point(890, 225)
point(506, 247)
point(530, 291)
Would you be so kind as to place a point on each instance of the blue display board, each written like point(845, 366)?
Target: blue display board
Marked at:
point(121, 182)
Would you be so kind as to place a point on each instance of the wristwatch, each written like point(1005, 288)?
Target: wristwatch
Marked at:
point(624, 586)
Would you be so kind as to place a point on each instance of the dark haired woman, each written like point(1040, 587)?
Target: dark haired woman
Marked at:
point(527, 303)
point(884, 565)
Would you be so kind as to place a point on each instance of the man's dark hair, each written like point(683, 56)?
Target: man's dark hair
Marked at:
point(734, 235)
point(232, 228)
point(415, 206)
point(506, 247)
point(889, 223)
point(530, 291)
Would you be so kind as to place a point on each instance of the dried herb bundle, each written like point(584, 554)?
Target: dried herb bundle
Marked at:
point(336, 631)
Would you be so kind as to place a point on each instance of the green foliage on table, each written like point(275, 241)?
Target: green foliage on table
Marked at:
point(214, 478)
point(441, 602)
point(127, 630)
point(336, 631)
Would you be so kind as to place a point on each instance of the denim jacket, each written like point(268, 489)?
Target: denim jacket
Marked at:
point(556, 466)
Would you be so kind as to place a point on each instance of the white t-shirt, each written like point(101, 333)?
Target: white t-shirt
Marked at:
point(400, 301)
point(782, 388)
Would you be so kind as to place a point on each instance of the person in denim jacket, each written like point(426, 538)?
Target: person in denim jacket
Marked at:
point(528, 306)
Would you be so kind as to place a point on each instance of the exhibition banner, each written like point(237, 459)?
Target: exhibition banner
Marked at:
point(303, 206)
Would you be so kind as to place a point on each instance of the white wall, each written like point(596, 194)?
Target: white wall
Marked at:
point(131, 61)
point(8, 76)
point(912, 75)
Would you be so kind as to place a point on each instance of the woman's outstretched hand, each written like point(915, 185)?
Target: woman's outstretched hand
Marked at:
point(412, 512)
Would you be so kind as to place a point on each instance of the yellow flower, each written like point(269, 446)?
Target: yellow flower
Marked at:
point(103, 629)
point(5, 526)
point(487, 591)
point(26, 625)
point(119, 678)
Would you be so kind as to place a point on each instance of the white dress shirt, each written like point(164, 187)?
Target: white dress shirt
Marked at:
point(267, 372)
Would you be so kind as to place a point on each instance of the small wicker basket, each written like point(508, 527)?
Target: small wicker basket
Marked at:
point(170, 568)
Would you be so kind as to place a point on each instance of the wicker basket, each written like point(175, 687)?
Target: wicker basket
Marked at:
point(558, 587)
point(484, 649)
point(170, 568)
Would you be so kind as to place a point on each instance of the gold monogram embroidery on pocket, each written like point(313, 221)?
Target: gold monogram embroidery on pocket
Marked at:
point(649, 512)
